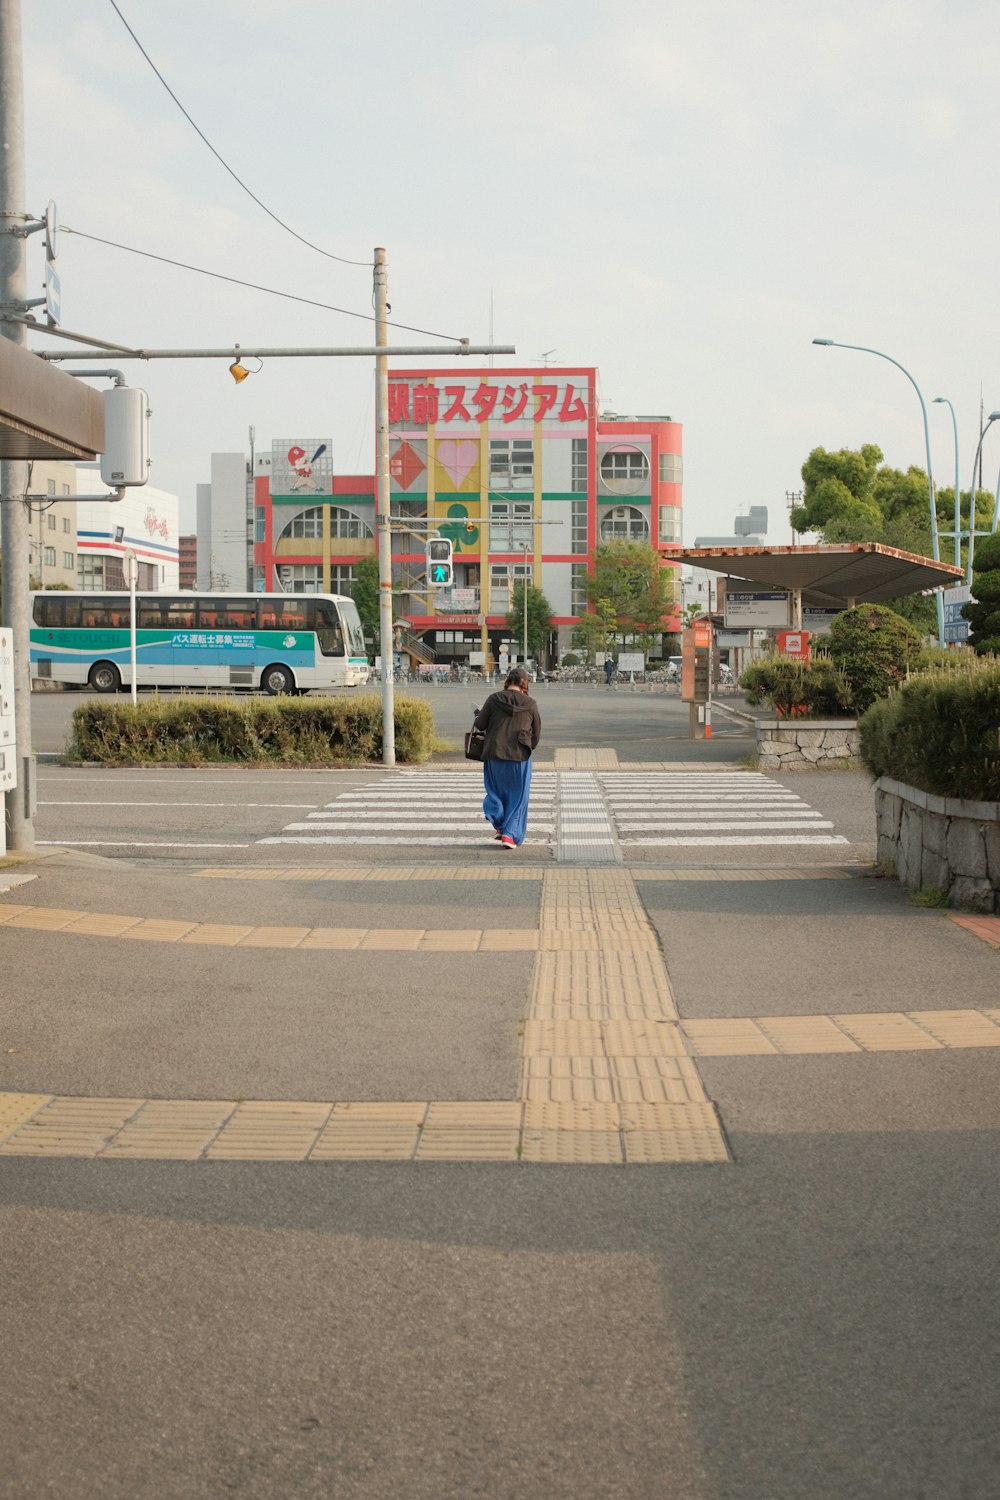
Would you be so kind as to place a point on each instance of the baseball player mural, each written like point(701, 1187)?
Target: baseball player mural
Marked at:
point(301, 467)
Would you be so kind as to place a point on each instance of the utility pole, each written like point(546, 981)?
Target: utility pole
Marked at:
point(383, 511)
point(14, 524)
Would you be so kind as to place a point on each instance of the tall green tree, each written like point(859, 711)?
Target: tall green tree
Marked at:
point(631, 577)
point(539, 619)
point(365, 593)
point(984, 612)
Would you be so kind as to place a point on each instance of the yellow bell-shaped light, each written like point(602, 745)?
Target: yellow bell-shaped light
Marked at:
point(238, 372)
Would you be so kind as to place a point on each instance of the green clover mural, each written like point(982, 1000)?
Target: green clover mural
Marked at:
point(461, 532)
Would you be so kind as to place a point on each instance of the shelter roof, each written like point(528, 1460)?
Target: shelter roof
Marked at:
point(829, 575)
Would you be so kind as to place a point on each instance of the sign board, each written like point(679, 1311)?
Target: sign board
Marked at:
point(956, 629)
point(462, 600)
point(53, 295)
point(794, 643)
point(767, 611)
point(631, 661)
point(696, 653)
point(818, 621)
point(477, 658)
point(729, 640)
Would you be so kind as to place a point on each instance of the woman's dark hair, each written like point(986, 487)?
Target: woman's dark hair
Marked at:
point(515, 677)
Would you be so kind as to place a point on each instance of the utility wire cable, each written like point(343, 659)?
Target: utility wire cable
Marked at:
point(253, 285)
point(287, 227)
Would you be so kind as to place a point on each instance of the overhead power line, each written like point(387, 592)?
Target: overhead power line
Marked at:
point(222, 161)
point(252, 285)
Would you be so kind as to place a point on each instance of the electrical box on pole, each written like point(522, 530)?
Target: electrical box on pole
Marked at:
point(125, 460)
point(440, 567)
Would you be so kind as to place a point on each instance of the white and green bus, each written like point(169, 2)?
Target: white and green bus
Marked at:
point(280, 643)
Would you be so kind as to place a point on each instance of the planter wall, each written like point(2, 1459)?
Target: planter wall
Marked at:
point(941, 843)
point(804, 744)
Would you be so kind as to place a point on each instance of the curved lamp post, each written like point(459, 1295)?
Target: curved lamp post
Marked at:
point(957, 533)
point(994, 416)
point(863, 349)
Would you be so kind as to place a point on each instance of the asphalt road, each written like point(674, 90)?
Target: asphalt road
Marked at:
point(815, 1321)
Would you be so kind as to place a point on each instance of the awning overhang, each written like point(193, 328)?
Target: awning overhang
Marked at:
point(833, 575)
point(45, 413)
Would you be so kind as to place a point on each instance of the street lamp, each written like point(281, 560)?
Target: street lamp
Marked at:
point(994, 416)
point(863, 349)
point(957, 533)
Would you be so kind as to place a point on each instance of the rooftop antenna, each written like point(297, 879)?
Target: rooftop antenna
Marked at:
point(544, 358)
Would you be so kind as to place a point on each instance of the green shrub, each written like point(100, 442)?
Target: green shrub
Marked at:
point(983, 613)
point(939, 733)
point(874, 648)
point(789, 685)
point(281, 731)
point(571, 659)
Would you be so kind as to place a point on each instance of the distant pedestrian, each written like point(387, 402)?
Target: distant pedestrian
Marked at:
point(513, 727)
point(610, 668)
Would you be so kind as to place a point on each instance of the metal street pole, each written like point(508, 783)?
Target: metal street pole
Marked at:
point(383, 512)
point(524, 593)
point(14, 523)
point(993, 417)
point(936, 551)
point(958, 503)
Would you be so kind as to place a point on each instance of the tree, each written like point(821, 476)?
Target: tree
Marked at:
point(596, 632)
point(539, 619)
point(637, 586)
point(365, 593)
point(874, 648)
point(984, 612)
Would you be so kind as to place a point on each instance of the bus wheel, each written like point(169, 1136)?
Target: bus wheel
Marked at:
point(276, 680)
point(104, 677)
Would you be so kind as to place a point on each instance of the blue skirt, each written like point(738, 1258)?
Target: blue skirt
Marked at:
point(508, 785)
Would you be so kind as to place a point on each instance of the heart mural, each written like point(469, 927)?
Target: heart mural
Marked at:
point(457, 457)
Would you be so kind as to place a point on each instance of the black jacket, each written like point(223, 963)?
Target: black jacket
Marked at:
point(512, 723)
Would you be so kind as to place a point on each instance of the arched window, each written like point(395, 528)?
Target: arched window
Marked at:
point(624, 524)
point(625, 470)
point(308, 523)
point(344, 523)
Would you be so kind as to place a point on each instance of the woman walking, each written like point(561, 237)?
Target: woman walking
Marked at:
point(513, 727)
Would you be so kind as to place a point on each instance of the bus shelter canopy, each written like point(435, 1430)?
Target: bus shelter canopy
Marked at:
point(834, 575)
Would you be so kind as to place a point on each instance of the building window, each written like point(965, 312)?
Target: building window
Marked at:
point(512, 463)
point(308, 524)
point(89, 571)
point(65, 489)
point(624, 470)
point(342, 578)
point(578, 589)
point(344, 524)
point(300, 578)
point(578, 526)
point(578, 481)
point(65, 521)
point(671, 468)
point(259, 524)
point(51, 521)
point(50, 486)
point(67, 559)
point(510, 524)
point(670, 523)
point(258, 578)
point(624, 524)
point(502, 578)
point(50, 557)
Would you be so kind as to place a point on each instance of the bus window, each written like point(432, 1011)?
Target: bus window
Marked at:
point(230, 614)
point(149, 614)
point(96, 616)
point(327, 627)
point(55, 612)
point(179, 614)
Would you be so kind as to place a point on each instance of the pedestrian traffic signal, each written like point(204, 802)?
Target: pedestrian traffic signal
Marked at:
point(440, 568)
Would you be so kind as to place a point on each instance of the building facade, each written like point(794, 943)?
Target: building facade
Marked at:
point(52, 525)
point(145, 522)
point(222, 525)
point(187, 560)
point(516, 467)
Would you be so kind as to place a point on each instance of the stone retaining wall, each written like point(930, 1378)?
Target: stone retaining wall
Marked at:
point(942, 843)
point(804, 744)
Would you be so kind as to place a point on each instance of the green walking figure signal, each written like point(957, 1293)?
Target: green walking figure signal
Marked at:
point(440, 567)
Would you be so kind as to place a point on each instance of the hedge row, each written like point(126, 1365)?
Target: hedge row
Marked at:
point(940, 733)
point(282, 731)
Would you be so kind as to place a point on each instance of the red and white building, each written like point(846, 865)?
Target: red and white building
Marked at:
point(521, 471)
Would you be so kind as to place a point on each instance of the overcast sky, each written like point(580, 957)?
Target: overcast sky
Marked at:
point(683, 193)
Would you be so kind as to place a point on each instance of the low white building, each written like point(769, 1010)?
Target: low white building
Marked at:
point(146, 521)
point(225, 547)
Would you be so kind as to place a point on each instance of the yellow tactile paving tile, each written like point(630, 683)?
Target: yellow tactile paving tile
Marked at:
point(455, 940)
point(94, 924)
point(216, 934)
point(578, 1147)
point(16, 1109)
point(514, 939)
point(730, 1037)
point(275, 937)
point(366, 1143)
point(812, 872)
point(958, 1028)
point(887, 1032)
point(805, 1034)
point(352, 874)
point(645, 1038)
point(576, 1115)
point(453, 1143)
point(45, 918)
point(70, 1127)
point(344, 939)
point(651, 1147)
point(656, 1080)
point(156, 930)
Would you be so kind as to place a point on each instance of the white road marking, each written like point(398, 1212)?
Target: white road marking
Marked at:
point(736, 839)
point(129, 844)
point(291, 806)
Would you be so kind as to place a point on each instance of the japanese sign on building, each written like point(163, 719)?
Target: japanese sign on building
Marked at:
point(420, 403)
point(757, 609)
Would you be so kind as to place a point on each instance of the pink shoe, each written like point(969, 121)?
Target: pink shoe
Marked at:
point(506, 842)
